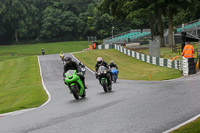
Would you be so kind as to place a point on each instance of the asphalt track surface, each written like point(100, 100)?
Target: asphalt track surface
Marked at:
point(132, 106)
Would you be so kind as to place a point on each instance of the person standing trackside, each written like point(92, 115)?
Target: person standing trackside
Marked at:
point(188, 51)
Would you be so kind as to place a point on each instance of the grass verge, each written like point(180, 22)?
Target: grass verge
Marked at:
point(20, 84)
point(193, 127)
point(50, 48)
point(130, 68)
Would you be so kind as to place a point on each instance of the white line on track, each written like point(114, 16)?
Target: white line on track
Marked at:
point(182, 124)
point(170, 130)
point(26, 110)
point(49, 98)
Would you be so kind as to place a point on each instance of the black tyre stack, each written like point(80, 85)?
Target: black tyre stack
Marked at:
point(191, 66)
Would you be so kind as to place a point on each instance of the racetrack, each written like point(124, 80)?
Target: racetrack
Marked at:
point(132, 106)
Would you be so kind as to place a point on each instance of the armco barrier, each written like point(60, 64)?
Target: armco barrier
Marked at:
point(176, 64)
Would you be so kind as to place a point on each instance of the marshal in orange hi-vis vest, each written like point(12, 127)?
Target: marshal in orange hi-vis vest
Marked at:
point(188, 51)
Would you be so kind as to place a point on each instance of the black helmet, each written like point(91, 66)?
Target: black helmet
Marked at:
point(68, 60)
point(111, 62)
point(79, 63)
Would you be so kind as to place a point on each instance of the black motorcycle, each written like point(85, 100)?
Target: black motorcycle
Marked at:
point(103, 78)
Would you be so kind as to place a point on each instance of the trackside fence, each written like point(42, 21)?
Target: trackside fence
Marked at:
point(176, 64)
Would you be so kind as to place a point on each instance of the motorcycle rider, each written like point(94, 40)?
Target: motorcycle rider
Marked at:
point(81, 65)
point(62, 55)
point(101, 62)
point(72, 65)
point(43, 52)
point(112, 64)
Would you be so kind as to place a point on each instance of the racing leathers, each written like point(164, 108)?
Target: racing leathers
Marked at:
point(103, 63)
point(74, 66)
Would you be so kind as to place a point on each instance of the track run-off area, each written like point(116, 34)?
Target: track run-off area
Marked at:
point(132, 106)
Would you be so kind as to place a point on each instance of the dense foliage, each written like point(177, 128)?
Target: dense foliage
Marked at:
point(66, 20)
point(155, 12)
point(55, 20)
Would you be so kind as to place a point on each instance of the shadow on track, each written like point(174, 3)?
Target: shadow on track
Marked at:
point(78, 101)
point(104, 93)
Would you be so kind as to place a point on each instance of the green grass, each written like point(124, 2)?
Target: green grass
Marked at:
point(20, 84)
point(50, 48)
point(17, 51)
point(193, 127)
point(130, 68)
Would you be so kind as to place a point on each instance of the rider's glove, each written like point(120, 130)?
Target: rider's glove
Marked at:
point(79, 73)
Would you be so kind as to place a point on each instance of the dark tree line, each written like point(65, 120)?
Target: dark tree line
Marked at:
point(55, 20)
point(66, 20)
point(156, 12)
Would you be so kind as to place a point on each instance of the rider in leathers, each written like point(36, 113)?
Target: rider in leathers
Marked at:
point(101, 62)
point(112, 64)
point(71, 65)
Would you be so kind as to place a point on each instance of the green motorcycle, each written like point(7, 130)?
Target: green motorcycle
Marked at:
point(75, 84)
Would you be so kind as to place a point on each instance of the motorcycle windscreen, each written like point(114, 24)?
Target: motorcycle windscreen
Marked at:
point(102, 69)
point(113, 68)
point(70, 73)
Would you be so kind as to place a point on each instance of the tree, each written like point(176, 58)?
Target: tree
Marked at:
point(13, 13)
point(172, 9)
point(135, 10)
point(57, 23)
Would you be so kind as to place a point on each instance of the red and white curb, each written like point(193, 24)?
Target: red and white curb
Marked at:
point(27, 110)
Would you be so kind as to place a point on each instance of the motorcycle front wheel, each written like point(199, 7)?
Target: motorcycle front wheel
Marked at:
point(104, 84)
point(75, 92)
point(115, 78)
point(84, 94)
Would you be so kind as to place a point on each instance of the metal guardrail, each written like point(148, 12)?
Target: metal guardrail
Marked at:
point(128, 37)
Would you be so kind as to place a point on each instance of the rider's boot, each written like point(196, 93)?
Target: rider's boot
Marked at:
point(85, 86)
